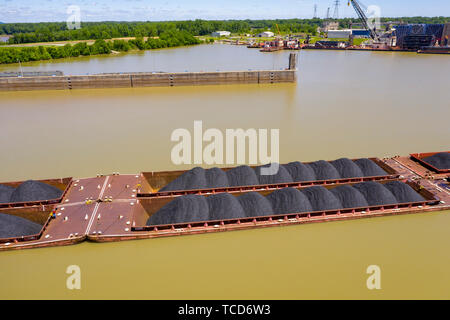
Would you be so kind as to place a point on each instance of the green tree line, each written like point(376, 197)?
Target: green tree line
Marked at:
point(345, 23)
point(57, 31)
point(25, 54)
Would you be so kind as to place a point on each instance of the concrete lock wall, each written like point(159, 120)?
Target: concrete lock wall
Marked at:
point(146, 80)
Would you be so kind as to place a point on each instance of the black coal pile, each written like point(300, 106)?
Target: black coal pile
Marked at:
point(14, 227)
point(190, 180)
point(216, 178)
point(242, 176)
point(370, 168)
point(347, 168)
point(5, 193)
point(255, 205)
point(403, 192)
point(375, 193)
point(191, 208)
point(281, 176)
point(300, 172)
point(289, 200)
point(225, 206)
point(325, 171)
point(322, 199)
point(35, 191)
point(440, 161)
point(350, 197)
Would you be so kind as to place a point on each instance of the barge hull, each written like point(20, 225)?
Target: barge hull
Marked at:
point(106, 208)
point(147, 80)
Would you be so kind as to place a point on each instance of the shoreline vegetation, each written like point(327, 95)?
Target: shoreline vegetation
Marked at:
point(10, 55)
point(36, 41)
point(57, 31)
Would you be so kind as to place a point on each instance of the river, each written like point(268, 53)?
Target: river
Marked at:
point(352, 104)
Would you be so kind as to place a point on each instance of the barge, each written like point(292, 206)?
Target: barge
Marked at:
point(116, 207)
point(435, 50)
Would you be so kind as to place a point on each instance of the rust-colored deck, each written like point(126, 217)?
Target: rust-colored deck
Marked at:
point(106, 208)
point(74, 217)
point(420, 157)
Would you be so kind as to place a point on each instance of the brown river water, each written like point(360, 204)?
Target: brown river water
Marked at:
point(345, 104)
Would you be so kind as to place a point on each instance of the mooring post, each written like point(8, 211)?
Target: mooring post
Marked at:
point(293, 61)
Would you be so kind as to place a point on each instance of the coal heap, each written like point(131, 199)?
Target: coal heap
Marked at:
point(191, 208)
point(242, 176)
point(347, 168)
point(15, 227)
point(350, 197)
point(282, 176)
point(403, 192)
point(225, 206)
point(35, 191)
point(190, 180)
point(322, 199)
point(216, 178)
point(289, 200)
point(325, 171)
point(440, 161)
point(300, 172)
point(255, 205)
point(370, 168)
point(5, 193)
point(376, 194)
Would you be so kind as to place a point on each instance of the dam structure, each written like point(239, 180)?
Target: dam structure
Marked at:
point(150, 79)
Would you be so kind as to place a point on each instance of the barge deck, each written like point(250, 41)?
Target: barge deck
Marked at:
point(112, 208)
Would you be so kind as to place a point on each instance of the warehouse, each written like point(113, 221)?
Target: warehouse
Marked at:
point(339, 34)
point(361, 33)
point(266, 34)
point(219, 34)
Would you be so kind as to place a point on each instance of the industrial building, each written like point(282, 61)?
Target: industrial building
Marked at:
point(344, 34)
point(339, 34)
point(361, 33)
point(4, 38)
point(219, 34)
point(266, 34)
point(416, 36)
point(445, 41)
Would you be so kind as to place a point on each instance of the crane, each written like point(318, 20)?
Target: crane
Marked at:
point(278, 29)
point(365, 21)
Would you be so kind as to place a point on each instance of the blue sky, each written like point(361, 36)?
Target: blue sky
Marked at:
point(154, 10)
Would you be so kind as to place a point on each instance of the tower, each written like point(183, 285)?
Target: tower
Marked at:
point(315, 11)
point(337, 3)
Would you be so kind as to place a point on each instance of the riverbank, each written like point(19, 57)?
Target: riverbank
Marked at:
point(9, 55)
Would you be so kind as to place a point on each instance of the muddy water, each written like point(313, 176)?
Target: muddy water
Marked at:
point(345, 104)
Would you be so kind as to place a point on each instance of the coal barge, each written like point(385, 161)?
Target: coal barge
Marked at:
point(121, 207)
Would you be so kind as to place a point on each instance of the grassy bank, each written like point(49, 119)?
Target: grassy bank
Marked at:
point(25, 54)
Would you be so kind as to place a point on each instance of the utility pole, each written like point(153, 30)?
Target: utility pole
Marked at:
point(328, 13)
